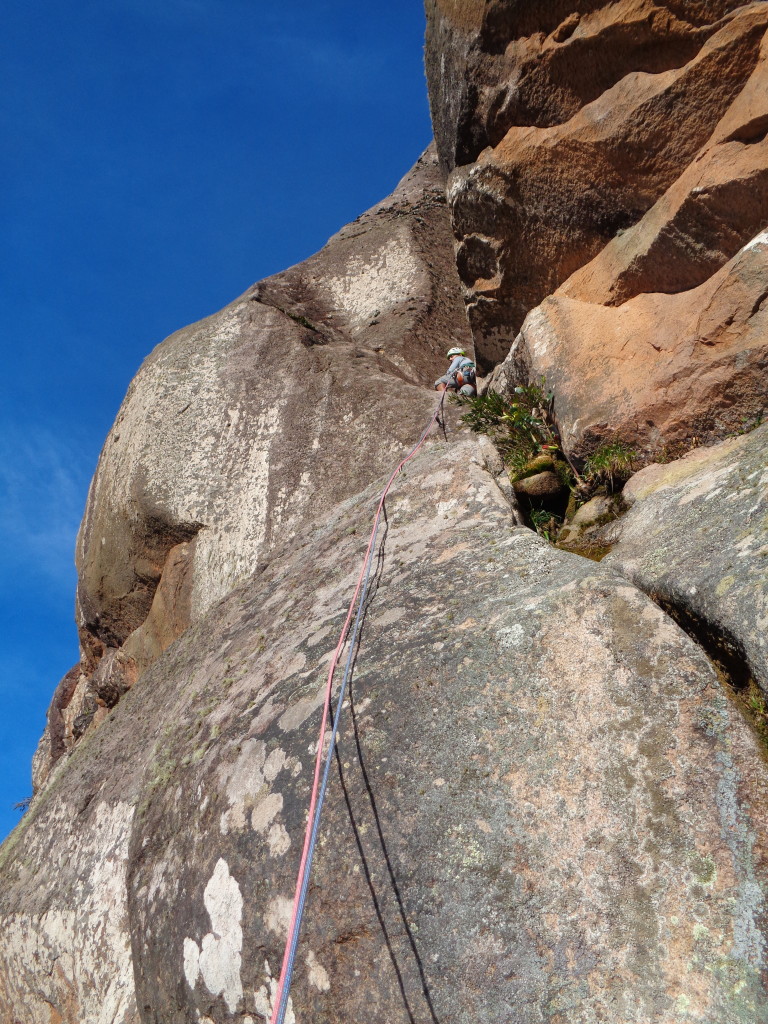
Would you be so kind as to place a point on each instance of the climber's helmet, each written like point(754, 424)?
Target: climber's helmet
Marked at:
point(455, 352)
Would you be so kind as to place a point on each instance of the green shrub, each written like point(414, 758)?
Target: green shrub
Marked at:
point(524, 431)
point(545, 523)
point(610, 464)
point(520, 427)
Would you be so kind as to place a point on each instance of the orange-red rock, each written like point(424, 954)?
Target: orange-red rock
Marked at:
point(544, 201)
point(568, 127)
point(612, 156)
point(659, 368)
point(702, 220)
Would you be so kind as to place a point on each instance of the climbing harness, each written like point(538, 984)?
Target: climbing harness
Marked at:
point(320, 784)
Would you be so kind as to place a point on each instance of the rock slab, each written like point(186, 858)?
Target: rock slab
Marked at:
point(545, 807)
point(696, 538)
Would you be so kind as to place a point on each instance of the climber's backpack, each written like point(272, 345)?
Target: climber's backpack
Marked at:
point(466, 374)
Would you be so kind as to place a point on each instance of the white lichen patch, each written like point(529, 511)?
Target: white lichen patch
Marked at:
point(245, 781)
point(191, 962)
point(246, 787)
point(76, 955)
point(265, 996)
point(278, 915)
point(318, 976)
point(218, 958)
point(298, 713)
point(266, 811)
point(370, 287)
point(510, 636)
point(227, 553)
point(274, 764)
point(444, 507)
point(278, 840)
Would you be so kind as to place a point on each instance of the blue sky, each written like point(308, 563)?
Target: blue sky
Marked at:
point(159, 156)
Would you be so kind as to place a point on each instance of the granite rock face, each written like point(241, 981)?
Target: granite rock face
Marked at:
point(239, 429)
point(550, 802)
point(605, 164)
point(696, 538)
point(546, 807)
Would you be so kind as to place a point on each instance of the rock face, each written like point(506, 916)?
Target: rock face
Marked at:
point(697, 539)
point(550, 802)
point(606, 156)
point(546, 807)
point(690, 365)
point(242, 427)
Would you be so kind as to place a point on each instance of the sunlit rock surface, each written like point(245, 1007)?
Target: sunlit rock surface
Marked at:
point(238, 430)
point(551, 799)
point(546, 807)
point(614, 152)
point(660, 369)
point(696, 538)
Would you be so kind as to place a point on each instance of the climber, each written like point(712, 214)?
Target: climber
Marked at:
point(460, 375)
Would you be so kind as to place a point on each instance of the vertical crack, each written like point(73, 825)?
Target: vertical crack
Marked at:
point(730, 661)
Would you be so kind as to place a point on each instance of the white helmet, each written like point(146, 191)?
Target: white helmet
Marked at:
point(456, 351)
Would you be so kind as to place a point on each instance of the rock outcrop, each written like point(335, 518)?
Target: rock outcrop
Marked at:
point(696, 539)
point(550, 801)
point(659, 370)
point(607, 156)
point(239, 429)
point(545, 805)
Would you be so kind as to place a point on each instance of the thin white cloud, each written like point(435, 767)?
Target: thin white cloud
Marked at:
point(302, 34)
point(43, 485)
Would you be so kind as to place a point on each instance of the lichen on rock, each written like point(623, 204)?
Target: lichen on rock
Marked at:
point(550, 796)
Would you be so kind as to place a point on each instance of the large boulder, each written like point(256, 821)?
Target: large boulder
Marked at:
point(241, 428)
point(545, 807)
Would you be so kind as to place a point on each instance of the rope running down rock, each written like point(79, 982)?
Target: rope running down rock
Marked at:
point(320, 785)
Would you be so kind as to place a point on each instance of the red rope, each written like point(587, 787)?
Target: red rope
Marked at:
point(287, 965)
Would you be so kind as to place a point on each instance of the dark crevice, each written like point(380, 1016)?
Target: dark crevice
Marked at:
point(313, 337)
point(756, 307)
point(719, 644)
point(730, 660)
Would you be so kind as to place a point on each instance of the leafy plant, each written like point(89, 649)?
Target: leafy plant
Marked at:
point(523, 428)
point(753, 700)
point(610, 464)
point(545, 524)
point(519, 427)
